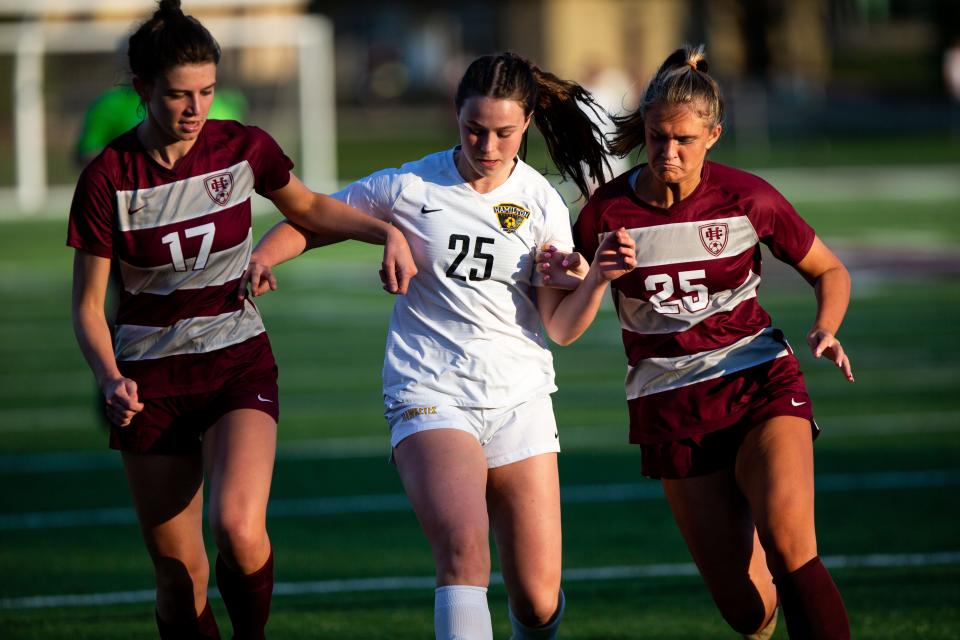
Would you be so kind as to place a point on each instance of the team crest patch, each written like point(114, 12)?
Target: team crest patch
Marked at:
point(510, 216)
point(219, 187)
point(714, 237)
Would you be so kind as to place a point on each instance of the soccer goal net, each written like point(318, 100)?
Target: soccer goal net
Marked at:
point(278, 67)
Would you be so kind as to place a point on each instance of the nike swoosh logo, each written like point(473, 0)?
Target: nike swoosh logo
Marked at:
point(797, 404)
point(424, 209)
point(262, 399)
point(133, 211)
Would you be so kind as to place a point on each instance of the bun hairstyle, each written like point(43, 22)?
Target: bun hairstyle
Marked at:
point(573, 139)
point(168, 39)
point(681, 79)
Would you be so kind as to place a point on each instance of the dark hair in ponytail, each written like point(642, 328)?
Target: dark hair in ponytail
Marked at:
point(168, 39)
point(681, 79)
point(573, 139)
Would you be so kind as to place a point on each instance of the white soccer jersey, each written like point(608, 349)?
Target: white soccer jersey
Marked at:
point(467, 332)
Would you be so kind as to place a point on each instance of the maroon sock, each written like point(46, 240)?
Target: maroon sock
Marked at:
point(207, 624)
point(812, 606)
point(247, 597)
point(204, 627)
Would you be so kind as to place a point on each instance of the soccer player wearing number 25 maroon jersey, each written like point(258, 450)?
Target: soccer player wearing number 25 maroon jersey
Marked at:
point(716, 399)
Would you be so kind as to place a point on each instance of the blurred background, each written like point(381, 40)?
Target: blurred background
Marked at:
point(851, 108)
point(348, 87)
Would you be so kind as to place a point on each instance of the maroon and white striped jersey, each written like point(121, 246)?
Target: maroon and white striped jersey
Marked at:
point(689, 311)
point(181, 239)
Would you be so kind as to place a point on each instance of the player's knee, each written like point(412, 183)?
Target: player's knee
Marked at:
point(787, 548)
point(536, 608)
point(463, 557)
point(239, 536)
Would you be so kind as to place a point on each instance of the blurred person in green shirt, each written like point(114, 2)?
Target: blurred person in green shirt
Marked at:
point(118, 110)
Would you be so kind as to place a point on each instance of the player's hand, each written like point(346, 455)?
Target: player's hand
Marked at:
point(616, 255)
point(260, 279)
point(560, 269)
point(824, 344)
point(121, 400)
point(398, 267)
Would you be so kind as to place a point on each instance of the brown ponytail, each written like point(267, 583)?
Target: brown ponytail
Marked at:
point(681, 79)
point(573, 139)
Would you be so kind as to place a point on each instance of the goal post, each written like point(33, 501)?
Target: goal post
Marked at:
point(32, 40)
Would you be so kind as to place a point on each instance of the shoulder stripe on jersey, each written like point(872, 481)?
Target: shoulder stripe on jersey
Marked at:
point(689, 241)
point(653, 375)
point(222, 267)
point(641, 317)
point(186, 199)
point(189, 336)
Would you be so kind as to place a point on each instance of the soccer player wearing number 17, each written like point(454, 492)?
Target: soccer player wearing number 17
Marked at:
point(188, 376)
point(717, 402)
point(467, 374)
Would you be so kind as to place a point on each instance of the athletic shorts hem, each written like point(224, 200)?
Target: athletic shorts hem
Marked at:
point(704, 455)
point(175, 425)
point(505, 434)
point(399, 435)
point(502, 461)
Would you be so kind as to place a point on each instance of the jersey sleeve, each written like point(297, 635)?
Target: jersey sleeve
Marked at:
point(555, 229)
point(271, 166)
point(90, 227)
point(375, 194)
point(557, 224)
point(781, 228)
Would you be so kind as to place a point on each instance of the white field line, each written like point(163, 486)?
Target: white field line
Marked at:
point(573, 438)
point(402, 583)
point(383, 503)
point(66, 419)
point(832, 184)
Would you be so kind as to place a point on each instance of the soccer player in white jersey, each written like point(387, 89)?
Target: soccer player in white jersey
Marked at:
point(467, 374)
point(187, 373)
point(716, 399)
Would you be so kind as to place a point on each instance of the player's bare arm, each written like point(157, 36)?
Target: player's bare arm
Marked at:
point(284, 241)
point(320, 214)
point(90, 276)
point(831, 283)
point(567, 314)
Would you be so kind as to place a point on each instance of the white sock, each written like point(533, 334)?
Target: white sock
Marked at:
point(546, 632)
point(460, 612)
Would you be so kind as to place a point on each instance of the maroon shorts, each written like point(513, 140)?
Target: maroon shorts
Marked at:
point(174, 424)
point(755, 396)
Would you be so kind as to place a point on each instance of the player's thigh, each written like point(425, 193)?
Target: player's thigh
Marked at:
point(239, 452)
point(167, 493)
point(717, 525)
point(524, 506)
point(774, 470)
point(444, 472)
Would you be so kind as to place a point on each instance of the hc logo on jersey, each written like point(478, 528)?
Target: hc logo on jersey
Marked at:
point(219, 187)
point(714, 237)
point(510, 216)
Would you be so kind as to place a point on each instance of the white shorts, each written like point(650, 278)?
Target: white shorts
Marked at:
point(507, 434)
